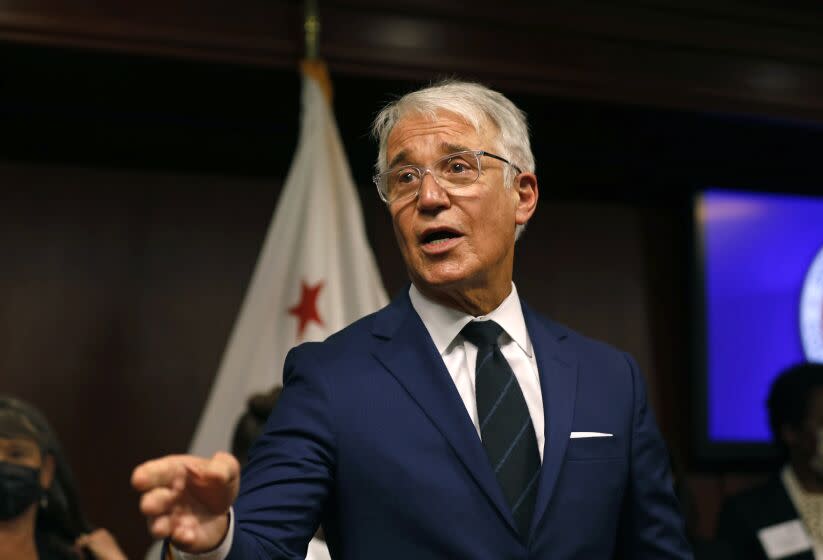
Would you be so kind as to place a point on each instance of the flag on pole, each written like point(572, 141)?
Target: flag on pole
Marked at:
point(315, 274)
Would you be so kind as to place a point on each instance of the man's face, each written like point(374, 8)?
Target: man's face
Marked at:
point(463, 238)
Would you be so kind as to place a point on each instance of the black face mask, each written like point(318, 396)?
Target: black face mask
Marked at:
point(19, 488)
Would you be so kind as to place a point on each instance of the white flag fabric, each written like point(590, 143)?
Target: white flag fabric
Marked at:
point(315, 274)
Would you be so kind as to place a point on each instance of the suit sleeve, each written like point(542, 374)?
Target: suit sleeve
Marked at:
point(651, 524)
point(285, 486)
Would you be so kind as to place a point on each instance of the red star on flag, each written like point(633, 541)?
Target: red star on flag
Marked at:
point(306, 310)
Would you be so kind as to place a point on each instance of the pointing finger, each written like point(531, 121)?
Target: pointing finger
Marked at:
point(223, 469)
point(166, 471)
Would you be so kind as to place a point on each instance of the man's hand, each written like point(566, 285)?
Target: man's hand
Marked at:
point(188, 498)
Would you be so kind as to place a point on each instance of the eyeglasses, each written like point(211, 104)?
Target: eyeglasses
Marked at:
point(453, 171)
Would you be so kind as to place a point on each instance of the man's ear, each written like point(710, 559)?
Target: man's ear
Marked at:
point(47, 471)
point(525, 186)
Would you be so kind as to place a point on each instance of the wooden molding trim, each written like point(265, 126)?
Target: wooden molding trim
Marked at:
point(656, 54)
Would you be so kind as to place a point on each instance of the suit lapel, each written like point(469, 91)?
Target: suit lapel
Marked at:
point(409, 354)
point(557, 368)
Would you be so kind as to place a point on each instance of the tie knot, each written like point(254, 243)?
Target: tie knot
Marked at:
point(482, 333)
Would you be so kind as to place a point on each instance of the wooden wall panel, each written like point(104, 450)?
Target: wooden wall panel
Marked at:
point(116, 299)
point(731, 56)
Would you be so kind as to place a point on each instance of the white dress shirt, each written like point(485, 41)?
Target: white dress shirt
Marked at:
point(318, 550)
point(460, 356)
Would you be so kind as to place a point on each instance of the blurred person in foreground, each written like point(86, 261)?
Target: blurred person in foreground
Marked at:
point(783, 518)
point(456, 422)
point(39, 513)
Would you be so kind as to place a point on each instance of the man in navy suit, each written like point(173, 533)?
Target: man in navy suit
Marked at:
point(456, 423)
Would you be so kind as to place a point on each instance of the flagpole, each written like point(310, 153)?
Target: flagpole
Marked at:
point(311, 29)
point(312, 66)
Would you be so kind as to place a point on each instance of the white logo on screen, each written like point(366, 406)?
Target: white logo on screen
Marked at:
point(811, 311)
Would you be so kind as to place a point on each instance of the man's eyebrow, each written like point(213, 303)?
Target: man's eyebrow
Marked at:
point(448, 148)
point(402, 156)
point(445, 147)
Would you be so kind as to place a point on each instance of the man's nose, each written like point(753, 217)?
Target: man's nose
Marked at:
point(431, 195)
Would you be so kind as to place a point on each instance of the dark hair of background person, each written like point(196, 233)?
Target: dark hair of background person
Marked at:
point(250, 424)
point(789, 398)
point(61, 521)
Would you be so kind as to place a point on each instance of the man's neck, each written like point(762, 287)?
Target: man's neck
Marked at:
point(17, 537)
point(474, 301)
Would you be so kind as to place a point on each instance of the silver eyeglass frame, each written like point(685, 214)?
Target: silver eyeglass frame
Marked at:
point(423, 170)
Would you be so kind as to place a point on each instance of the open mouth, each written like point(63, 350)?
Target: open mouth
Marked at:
point(438, 237)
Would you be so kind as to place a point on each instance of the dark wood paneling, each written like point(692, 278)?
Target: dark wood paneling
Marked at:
point(116, 300)
point(744, 57)
point(102, 109)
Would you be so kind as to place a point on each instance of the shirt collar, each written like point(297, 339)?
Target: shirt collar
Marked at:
point(445, 323)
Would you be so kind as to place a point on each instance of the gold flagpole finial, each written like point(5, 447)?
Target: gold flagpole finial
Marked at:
point(311, 28)
point(312, 66)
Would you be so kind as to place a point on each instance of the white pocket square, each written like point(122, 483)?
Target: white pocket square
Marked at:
point(578, 435)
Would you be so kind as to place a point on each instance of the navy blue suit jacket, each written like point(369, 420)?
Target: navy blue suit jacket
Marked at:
point(370, 437)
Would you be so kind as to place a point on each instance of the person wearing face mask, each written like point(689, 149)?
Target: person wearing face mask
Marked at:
point(784, 517)
point(40, 518)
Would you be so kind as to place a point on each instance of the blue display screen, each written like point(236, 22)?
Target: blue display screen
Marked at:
point(763, 288)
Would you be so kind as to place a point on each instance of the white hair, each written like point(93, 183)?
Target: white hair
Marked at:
point(478, 106)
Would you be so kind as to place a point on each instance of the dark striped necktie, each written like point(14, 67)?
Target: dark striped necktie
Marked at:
point(506, 427)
